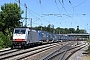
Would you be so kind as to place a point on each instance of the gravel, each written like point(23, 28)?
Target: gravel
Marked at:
point(41, 55)
point(78, 55)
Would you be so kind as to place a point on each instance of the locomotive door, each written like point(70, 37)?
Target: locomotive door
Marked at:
point(29, 36)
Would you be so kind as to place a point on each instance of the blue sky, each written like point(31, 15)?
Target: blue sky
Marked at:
point(60, 13)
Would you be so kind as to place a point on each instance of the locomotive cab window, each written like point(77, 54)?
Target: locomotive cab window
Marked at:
point(20, 31)
point(16, 31)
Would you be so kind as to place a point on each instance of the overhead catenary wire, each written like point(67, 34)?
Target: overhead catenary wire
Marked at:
point(33, 11)
point(41, 17)
point(80, 3)
point(52, 14)
point(59, 10)
point(28, 8)
point(77, 6)
point(62, 2)
point(42, 7)
point(37, 14)
point(63, 6)
point(66, 11)
point(45, 10)
point(40, 1)
point(57, 6)
point(34, 16)
point(72, 6)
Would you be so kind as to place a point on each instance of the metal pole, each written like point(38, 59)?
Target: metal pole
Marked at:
point(21, 23)
point(26, 16)
point(31, 24)
point(19, 3)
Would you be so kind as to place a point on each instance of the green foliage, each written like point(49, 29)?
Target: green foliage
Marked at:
point(4, 41)
point(88, 50)
point(10, 15)
point(59, 30)
point(1, 39)
point(88, 40)
point(71, 30)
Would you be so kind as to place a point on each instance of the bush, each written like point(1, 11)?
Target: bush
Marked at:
point(4, 41)
point(1, 40)
point(88, 49)
point(0, 47)
point(88, 40)
point(88, 46)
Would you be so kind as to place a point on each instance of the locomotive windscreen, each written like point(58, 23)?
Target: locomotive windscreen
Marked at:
point(18, 31)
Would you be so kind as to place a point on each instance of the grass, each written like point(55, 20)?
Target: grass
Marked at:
point(88, 40)
point(87, 56)
point(0, 47)
point(88, 50)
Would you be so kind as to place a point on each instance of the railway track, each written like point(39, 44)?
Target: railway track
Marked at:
point(8, 49)
point(20, 54)
point(63, 53)
point(71, 51)
point(57, 52)
point(42, 54)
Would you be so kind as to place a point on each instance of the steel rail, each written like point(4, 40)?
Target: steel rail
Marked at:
point(54, 53)
point(12, 55)
point(74, 52)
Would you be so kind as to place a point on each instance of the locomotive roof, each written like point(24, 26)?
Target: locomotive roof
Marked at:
point(20, 28)
point(32, 29)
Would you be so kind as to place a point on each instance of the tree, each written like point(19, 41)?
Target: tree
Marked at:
point(4, 41)
point(77, 30)
point(58, 29)
point(10, 15)
point(48, 28)
point(71, 30)
point(66, 30)
point(82, 31)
